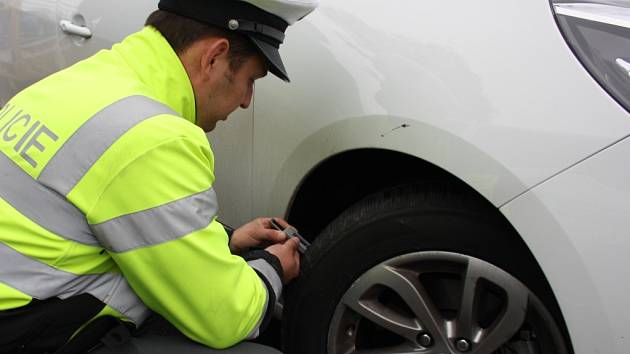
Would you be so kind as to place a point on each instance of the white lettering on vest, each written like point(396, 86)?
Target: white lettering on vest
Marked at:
point(26, 118)
point(19, 144)
point(29, 135)
point(33, 142)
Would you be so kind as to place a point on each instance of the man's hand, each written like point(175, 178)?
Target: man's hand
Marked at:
point(289, 257)
point(258, 232)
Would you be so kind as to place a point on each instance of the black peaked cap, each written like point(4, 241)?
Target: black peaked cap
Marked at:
point(263, 28)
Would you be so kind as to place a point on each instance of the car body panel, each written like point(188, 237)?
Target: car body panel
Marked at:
point(500, 101)
point(231, 143)
point(577, 227)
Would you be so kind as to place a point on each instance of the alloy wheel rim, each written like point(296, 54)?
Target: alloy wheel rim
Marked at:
point(407, 305)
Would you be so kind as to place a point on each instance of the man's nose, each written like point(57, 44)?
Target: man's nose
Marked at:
point(247, 100)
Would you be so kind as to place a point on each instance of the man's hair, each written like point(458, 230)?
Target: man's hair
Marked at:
point(181, 32)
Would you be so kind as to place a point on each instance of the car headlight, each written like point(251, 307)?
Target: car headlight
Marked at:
point(598, 32)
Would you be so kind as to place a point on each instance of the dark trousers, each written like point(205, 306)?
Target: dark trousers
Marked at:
point(160, 337)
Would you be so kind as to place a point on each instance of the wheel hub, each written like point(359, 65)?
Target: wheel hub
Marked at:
point(439, 303)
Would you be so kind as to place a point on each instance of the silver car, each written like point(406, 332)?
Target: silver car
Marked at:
point(461, 167)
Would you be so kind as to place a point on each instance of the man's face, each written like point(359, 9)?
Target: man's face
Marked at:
point(227, 90)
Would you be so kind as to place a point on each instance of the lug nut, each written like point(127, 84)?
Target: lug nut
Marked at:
point(462, 345)
point(350, 331)
point(425, 340)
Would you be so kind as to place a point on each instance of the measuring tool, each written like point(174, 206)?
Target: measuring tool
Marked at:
point(291, 232)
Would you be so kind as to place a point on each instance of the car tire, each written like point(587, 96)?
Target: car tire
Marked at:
point(365, 281)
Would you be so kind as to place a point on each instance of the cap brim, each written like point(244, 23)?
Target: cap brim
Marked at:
point(276, 66)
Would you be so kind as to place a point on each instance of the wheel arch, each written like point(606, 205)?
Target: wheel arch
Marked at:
point(385, 150)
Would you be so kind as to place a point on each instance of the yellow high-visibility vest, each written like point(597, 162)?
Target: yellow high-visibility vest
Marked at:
point(106, 189)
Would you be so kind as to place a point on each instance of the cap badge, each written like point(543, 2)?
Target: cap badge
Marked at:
point(233, 24)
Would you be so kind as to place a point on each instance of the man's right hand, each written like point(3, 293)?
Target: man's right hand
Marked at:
point(289, 257)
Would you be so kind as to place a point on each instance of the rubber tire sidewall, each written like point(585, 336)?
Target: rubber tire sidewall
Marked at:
point(360, 239)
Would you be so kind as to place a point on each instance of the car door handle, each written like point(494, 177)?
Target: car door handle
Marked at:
point(70, 28)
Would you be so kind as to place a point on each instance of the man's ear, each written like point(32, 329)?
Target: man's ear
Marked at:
point(214, 54)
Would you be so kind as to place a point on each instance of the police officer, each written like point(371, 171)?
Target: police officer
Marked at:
point(107, 209)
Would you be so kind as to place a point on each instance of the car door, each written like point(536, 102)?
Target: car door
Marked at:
point(88, 26)
point(39, 37)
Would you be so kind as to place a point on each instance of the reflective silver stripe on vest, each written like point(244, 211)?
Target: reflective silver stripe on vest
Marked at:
point(157, 225)
point(42, 281)
point(41, 205)
point(94, 137)
point(265, 269)
point(124, 300)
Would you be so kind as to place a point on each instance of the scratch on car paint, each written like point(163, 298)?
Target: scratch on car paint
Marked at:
point(398, 127)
